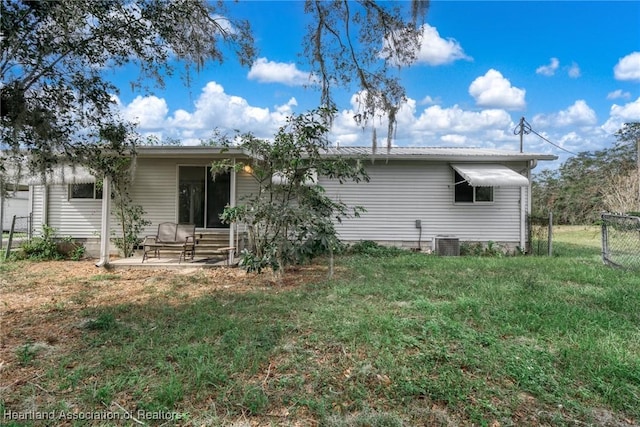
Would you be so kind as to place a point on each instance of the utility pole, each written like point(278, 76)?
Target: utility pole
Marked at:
point(522, 137)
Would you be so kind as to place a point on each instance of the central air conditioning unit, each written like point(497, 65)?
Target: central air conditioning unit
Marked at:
point(447, 246)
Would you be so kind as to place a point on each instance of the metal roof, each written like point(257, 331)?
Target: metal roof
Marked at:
point(439, 153)
point(405, 153)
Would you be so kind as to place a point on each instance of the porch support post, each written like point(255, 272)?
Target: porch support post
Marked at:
point(1, 210)
point(45, 205)
point(232, 203)
point(104, 225)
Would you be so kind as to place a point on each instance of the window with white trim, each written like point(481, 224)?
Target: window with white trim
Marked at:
point(466, 193)
point(86, 191)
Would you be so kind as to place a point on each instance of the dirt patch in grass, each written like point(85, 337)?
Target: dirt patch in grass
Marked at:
point(42, 304)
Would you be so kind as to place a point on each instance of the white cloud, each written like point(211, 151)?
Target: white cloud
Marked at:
point(616, 94)
point(428, 100)
point(628, 68)
point(149, 112)
point(434, 50)
point(418, 125)
point(432, 126)
point(266, 71)
point(454, 139)
point(574, 71)
point(578, 114)
point(630, 111)
point(549, 70)
point(455, 119)
point(493, 90)
point(620, 114)
point(214, 109)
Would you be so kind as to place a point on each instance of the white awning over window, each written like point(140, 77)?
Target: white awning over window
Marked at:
point(490, 175)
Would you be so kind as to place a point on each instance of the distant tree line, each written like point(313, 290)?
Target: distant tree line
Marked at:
point(592, 182)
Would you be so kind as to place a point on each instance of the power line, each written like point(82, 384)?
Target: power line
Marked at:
point(555, 145)
point(524, 128)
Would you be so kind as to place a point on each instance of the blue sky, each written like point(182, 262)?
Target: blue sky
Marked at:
point(571, 68)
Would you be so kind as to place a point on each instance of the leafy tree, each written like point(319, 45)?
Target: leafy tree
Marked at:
point(576, 192)
point(290, 218)
point(630, 134)
point(343, 47)
point(621, 193)
point(54, 55)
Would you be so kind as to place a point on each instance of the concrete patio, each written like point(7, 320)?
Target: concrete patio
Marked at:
point(171, 261)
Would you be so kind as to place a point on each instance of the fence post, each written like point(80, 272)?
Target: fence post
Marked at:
point(13, 225)
point(605, 239)
point(550, 236)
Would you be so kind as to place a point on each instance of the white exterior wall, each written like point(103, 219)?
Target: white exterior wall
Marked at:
point(399, 193)
point(79, 218)
point(156, 188)
point(37, 208)
point(17, 203)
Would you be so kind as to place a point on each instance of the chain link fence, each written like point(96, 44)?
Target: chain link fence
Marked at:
point(621, 240)
point(19, 232)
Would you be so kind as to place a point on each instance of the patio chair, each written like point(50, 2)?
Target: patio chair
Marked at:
point(171, 237)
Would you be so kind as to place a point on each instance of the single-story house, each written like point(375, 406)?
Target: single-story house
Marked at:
point(415, 197)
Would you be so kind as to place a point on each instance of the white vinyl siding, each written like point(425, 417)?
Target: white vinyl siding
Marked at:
point(156, 188)
point(246, 186)
point(78, 218)
point(399, 193)
point(37, 208)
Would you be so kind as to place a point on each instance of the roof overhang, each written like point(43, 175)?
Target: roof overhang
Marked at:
point(490, 175)
point(57, 175)
point(438, 154)
point(190, 151)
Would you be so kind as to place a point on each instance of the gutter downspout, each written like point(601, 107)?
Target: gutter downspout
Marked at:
point(523, 219)
point(530, 166)
point(104, 224)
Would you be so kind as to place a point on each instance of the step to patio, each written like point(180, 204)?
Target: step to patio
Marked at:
point(212, 242)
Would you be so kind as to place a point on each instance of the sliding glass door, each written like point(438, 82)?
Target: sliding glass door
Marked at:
point(202, 199)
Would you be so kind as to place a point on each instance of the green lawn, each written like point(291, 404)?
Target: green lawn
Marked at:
point(585, 237)
point(393, 341)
